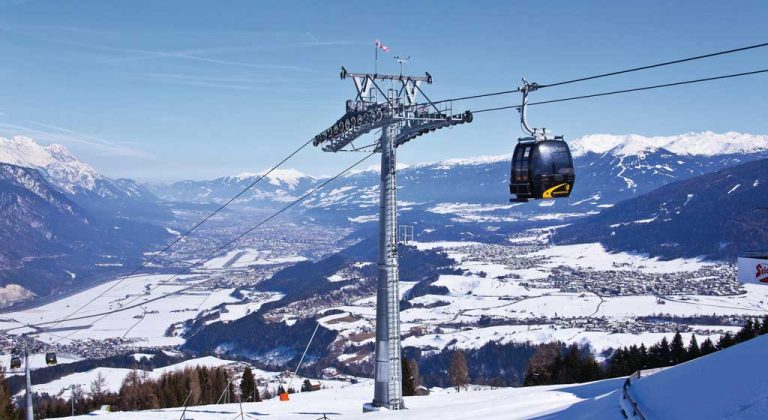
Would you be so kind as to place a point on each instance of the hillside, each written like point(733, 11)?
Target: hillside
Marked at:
point(716, 215)
point(55, 240)
point(727, 384)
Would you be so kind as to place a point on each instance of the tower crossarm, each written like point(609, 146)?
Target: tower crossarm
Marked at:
point(415, 128)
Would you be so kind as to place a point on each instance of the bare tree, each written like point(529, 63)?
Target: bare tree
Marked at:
point(458, 371)
point(98, 388)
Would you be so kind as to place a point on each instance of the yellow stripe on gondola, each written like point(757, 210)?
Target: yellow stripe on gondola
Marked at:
point(548, 193)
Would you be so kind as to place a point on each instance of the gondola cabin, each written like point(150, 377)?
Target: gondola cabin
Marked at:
point(541, 169)
point(50, 359)
point(15, 362)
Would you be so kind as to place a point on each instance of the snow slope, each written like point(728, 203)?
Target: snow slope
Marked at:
point(730, 384)
point(346, 403)
point(114, 377)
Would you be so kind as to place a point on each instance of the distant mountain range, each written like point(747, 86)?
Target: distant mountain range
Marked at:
point(279, 186)
point(62, 223)
point(609, 169)
point(64, 216)
point(705, 143)
point(717, 215)
point(81, 182)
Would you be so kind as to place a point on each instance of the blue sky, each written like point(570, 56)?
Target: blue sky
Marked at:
point(170, 90)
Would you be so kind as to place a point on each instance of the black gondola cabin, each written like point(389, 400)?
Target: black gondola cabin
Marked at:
point(541, 169)
point(50, 358)
point(15, 362)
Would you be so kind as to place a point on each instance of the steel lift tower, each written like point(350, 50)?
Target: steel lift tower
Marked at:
point(386, 104)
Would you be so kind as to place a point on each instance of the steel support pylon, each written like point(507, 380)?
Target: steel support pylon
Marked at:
point(28, 374)
point(388, 392)
point(401, 118)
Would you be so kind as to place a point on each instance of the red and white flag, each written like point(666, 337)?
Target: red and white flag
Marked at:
point(383, 47)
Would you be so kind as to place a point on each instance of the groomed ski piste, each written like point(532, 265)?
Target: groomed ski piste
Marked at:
point(729, 384)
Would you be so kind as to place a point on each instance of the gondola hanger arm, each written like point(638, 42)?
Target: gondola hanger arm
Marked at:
point(526, 89)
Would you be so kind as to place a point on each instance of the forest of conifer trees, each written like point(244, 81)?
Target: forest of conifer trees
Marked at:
point(556, 363)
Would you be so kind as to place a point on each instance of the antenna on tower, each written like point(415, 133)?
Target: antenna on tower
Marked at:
point(402, 60)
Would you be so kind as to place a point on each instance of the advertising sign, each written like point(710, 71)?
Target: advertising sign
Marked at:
point(753, 270)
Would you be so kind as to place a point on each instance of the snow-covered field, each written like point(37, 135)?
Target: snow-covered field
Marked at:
point(246, 257)
point(492, 289)
point(512, 290)
point(140, 308)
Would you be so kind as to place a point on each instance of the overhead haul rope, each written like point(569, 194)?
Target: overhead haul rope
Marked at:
point(185, 234)
point(616, 92)
point(613, 73)
point(222, 247)
point(652, 66)
point(306, 349)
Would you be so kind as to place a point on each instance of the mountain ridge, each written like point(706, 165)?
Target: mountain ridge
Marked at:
point(86, 186)
point(706, 143)
point(713, 215)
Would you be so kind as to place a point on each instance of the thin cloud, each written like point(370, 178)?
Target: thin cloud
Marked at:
point(181, 55)
point(177, 79)
point(254, 47)
point(234, 83)
point(202, 55)
point(311, 37)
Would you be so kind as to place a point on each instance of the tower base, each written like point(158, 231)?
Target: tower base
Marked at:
point(371, 406)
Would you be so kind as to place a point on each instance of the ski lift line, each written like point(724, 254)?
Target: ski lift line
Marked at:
point(616, 92)
point(81, 317)
point(209, 256)
point(614, 73)
point(306, 349)
point(652, 66)
point(132, 327)
point(462, 98)
point(185, 234)
point(428, 100)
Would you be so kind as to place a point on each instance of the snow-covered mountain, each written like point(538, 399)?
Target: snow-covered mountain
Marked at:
point(280, 185)
point(705, 143)
point(55, 161)
point(50, 239)
point(609, 169)
point(62, 217)
point(714, 215)
point(80, 181)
